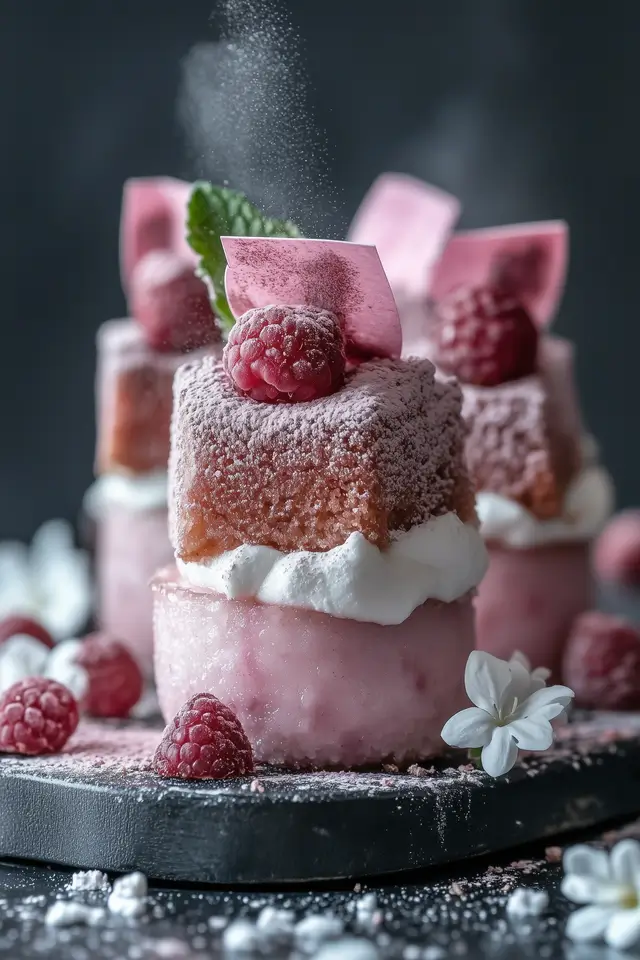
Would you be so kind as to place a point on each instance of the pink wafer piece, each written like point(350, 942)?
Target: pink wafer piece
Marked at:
point(409, 222)
point(530, 259)
point(346, 278)
point(154, 211)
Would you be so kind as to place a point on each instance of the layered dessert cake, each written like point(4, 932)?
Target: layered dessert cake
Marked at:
point(542, 494)
point(322, 517)
point(479, 304)
point(171, 317)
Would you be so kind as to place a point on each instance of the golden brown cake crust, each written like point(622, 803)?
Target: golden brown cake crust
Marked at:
point(382, 454)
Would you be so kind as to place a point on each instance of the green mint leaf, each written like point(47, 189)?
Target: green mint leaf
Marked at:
point(215, 212)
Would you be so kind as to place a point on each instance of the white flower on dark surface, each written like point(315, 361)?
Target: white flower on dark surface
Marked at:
point(539, 676)
point(608, 884)
point(49, 581)
point(512, 711)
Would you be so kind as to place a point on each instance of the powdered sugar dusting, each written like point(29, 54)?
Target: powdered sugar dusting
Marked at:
point(345, 278)
point(382, 454)
point(510, 448)
point(245, 111)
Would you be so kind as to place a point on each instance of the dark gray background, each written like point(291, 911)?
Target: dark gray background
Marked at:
point(525, 108)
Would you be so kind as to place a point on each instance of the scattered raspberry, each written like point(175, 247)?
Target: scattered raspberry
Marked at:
point(37, 715)
point(286, 354)
point(114, 678)
point(485, 337)
point(602, 662)
point(616, 555)
point(24, 626)
point(171, 303)
point(204, 741)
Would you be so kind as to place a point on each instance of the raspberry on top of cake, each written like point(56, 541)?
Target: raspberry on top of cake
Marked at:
point(495, 292)
point(297, 456)
point(170, 316)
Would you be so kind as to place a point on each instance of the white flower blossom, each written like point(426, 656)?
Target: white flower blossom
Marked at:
point(610, 884)
point(49, 581)
point(512, 711)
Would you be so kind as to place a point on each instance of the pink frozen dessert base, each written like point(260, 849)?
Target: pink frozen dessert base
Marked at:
point(131, 545)
point(529, 598)
point(310, 688)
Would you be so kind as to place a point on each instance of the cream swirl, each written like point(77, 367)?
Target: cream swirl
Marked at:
point(442, 559)
point(588, 503)
point(146, 491)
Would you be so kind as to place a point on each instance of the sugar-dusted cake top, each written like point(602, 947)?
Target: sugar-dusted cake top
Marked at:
point(384, 453)
point(525, 436)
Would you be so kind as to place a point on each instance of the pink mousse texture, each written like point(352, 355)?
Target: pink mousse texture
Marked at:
point(528, 600)
point(310, 688)
point(131, 546)
point(384, 453)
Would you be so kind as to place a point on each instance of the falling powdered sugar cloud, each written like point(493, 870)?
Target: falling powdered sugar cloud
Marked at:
point(243, 103)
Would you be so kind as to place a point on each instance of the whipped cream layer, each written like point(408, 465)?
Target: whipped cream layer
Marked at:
point(588, 504)
point(439, 560)
point(145, 491)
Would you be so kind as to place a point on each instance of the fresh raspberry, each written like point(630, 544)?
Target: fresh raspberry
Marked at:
point(171, 303)
point(37, 715)
point(485, 337)
point(26, 627)
point(284, 353)
point(616, 554)
point(205, 741)
point(602, 662)
point(114, 678)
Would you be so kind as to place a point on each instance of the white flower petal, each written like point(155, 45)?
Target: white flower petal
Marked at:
point(581, 889)
point(589, 923)
point(544, 698)
point(21, 656)
point(532, 733)
point(518, 657)
point(624, 929)
point(16, 587)
point(539, 678)
point(586, 861)
point(520, 684)
point(625, 862)
point(486, 678)
point(499, 756)
point(468, 728)
point(61, 666)
point(63, 579)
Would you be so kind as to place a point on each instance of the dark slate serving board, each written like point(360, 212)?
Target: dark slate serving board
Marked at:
point(99, 805)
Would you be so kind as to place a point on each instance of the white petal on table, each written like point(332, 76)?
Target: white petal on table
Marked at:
point(586, 861)
point(624, 929)
point(468, 728)
point(545, 698)
point(589, 923)
point(532, 733)
point(499, 756)
point(486, 678)
point(625, 863)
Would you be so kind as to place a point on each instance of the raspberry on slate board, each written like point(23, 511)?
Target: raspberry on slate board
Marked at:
point(37, 716)
point(205, 740)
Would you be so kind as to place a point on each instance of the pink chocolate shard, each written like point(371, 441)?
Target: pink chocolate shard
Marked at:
point(346, 278)
point(409, 222)
point(529, 259)
point(153, 217)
